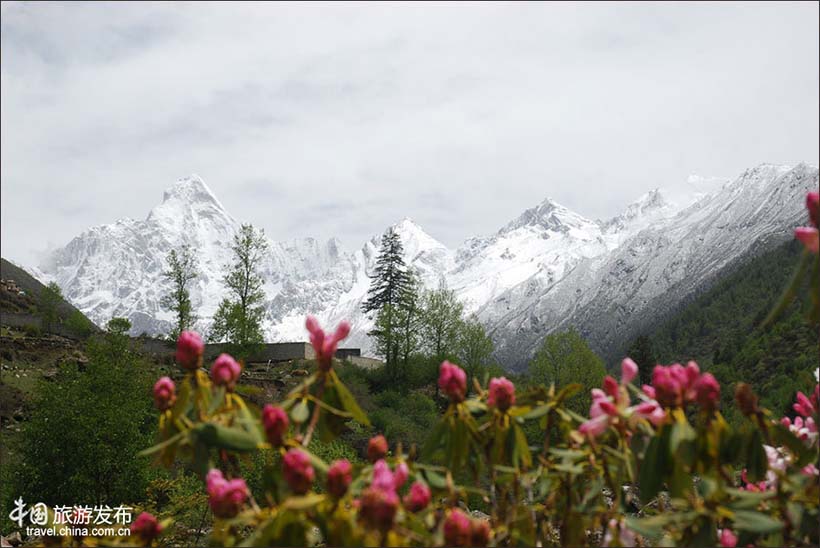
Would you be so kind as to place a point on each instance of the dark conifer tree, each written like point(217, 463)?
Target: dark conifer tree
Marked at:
point(391, 281)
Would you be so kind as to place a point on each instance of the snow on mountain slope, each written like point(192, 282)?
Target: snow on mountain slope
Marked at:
point(550, 268)
point(612, 297)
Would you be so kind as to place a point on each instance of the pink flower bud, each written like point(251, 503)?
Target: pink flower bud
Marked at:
point(275, 421)
point(804, 405)
point(809, 237)
point(629, 370)
point(452, 380)
point(479, 532)
point(298, 471)
point(667, 385)
point(707, 391)
point(608, 407)
point(651, 411)
point(611, 387)
point(339, 476)
point(382, 476)
point(226, 497)
point(164, 393)
point(400, 474)
point(376, 448)
point(727, 539)
point(323, 346)
point(649, 391)
point(225, 371)
point(189, 350)
point(595, 427)
point(813, 205)
point(418, 498)
point(457, 528)
point(377, 508)
point(146, 528)
point(502, 393)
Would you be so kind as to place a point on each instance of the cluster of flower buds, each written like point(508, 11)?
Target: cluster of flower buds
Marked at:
point(808, 406)
point(613, 404)
point(460, 530)
point(165, 393)
point(502, 394)
point(323, 345)
point(379, 502)
point(339, 476)
point(808, 235)
point(805, 429)
point(418, 497)
point(225, 371)
point(226, 497)
point(275, 422)
point(677, 386)
point(189, 350)
point(452, 381)
point(376, 448)
point(298, 471)
point(146, 528)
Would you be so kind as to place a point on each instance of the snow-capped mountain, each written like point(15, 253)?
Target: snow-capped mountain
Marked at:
point(611, 297)
point(546, 269)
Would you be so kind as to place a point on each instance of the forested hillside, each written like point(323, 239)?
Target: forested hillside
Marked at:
point(721, 330)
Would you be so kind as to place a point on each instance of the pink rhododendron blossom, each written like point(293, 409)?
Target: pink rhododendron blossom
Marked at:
point(378, 507)
point(727, 538)
point(164, 393)
point(339, 476)
point(805, 429)
point(649, 391)
point(275, 421)
point(225, 371)
point(225, 497)
point(629, 370)
point(325, 346)
point(707, 391)
point(809, 236)
point(810, 470)
point(806, 406)
point(595, 427)
point(400, 474)
point(611, 387)
point(298, 471)
point(189, 350)
point(752, 486)
point(418, 498)
point(813, 205)
point(456, 528)
point(376, 448)
point(146, 528)
point(651, 411)
point(452, 380)
point(502, 393)
point(382, 476)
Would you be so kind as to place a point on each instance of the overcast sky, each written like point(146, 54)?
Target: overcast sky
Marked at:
point(338, 120)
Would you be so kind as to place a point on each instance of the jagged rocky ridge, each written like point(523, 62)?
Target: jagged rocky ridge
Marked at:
point(548, 269)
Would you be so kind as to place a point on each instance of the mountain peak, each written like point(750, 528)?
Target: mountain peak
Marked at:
point(549, 215)
point(188, 195)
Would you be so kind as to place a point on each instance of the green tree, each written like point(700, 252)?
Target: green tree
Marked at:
point(81, 442)
point(238, 319)
point(566, 358)
point(181, 271)
point(441, 319)
point(392, 296)
point(475, 348)
point(391, 279)
point(642, 354)
point(50, 298)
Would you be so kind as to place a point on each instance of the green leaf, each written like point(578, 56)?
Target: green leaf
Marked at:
point(434, 479)
point(522, 449)
point(300, 412)
point(756, 461)
point(756, 522)
point(348, 401)
point(233, 439)
point(162, 445)
point(303, 502)
point(217, 399)
point(649, 527)
point(653, 467)
point(539, 411)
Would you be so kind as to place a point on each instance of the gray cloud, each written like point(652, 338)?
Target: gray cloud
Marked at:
point(338, 119)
